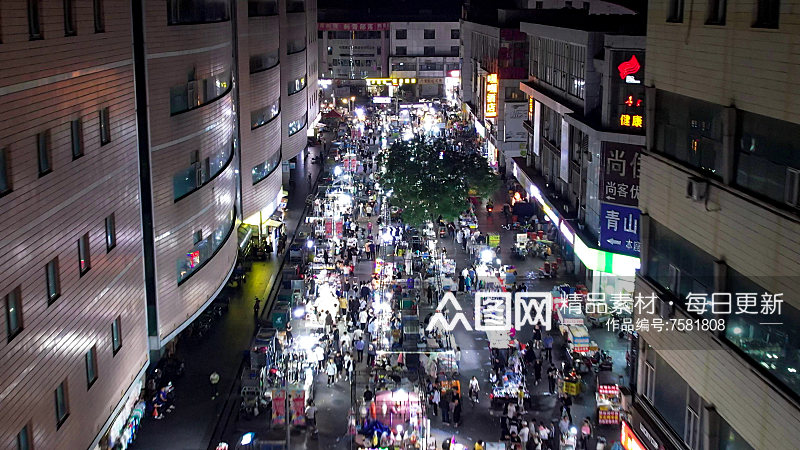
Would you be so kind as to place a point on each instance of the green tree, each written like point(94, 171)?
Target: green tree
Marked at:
point(429, 179)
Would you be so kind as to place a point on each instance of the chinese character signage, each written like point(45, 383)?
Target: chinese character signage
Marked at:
point(619, 228)
point(491, 95)
point(327, 26)
point(390, 81)
point(627, 91)
point(619, 173)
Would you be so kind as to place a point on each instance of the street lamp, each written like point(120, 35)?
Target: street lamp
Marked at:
point(352, 100)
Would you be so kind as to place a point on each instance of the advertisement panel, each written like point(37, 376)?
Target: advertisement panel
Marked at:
point(619, 228)
point(619, 174)
point(627, 91)
point(514, 115)
point(492, 83)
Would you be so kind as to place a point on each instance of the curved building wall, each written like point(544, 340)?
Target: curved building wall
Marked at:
point(293, 67)
point(192, 163)
point(259, 56)
point(312, 58)
point(45, 85)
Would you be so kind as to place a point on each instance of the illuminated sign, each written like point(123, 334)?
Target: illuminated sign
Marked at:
point(390, 81)
point(628, 69)
point(629, 440)
point(568, 234)
point(365, 26)
point(491, 95)
point(454, 74)
point(628, 120)
point(382, 100)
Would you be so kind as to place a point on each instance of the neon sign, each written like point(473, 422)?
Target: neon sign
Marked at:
point(628, 69)
point(491, 95)
point(390, 81)
point(631, 120)
point(629, 440)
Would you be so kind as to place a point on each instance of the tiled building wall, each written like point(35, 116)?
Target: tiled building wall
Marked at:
point(44, 85)
point(293, 66)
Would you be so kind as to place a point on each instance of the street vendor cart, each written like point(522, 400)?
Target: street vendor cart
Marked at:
point(608, 399)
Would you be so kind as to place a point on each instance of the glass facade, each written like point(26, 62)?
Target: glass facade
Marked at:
point(690, 131)
point(198, 174)
point(205, 249)
point(296, 125)
point(678, 265)
point(264, 115)
point(264, 61)
point(185, 12)
point(197, 93)
point(297, 85)
point(264, 169)
point(559, 64)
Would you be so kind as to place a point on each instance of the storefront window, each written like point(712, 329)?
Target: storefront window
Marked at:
point(205, 249)
point(264, 169)
point(197, 93)
point(689, 131)
point(200, 173)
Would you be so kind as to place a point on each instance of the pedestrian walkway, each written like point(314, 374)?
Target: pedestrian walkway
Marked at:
point(196, 419)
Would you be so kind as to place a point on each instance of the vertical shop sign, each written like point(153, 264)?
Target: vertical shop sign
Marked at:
point(492, 85)
point(619, 228)
point(339, 229)
point(329, 228)
point(619, 173)
point(298, 403)
point(627, 99)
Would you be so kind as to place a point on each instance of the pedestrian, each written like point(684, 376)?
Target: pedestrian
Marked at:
point(586, 432)
point(330, 370)
point(311, 416)
point(563, 425)
point(371, 353)
point(566, 403)
point(319, 355)
point(328, 323)
point(436, 398)
point(537, 371)
point(444, 404)
point(537, 337)
point(430, 293)
point(457, 412)
point(548, 347)
point(362, 319)
point(524, 434)
point(360, 349)
point(256, 308)
point(552, 374)
point(458, 357)
point(214, 379)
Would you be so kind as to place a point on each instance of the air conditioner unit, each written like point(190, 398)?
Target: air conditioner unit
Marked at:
point(696, 189)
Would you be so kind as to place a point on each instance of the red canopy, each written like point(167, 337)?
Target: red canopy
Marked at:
point(332, 114)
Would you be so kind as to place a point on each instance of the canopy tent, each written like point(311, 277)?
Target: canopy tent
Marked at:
point(332, 114)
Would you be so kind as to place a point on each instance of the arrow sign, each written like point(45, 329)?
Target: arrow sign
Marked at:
point(613, 241)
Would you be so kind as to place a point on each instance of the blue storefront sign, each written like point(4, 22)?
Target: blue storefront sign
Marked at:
point(619, 228)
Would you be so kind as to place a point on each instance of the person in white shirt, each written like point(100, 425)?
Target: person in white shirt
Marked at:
point(512, 410)
point(331, 371)
point(345, 342)
point(524, 434)
point(358, 334)
point(362, 318)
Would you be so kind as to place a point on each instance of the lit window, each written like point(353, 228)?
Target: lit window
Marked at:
point(13, 313)
point(53, 281)
point(116, 335)
point(111, 233)
point(84, 263)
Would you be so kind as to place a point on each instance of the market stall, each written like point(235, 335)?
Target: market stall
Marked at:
point(608, 399)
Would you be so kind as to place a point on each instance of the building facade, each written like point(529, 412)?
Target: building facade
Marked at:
point(72, 282)
point(585, 132)
point(719, 199)
point(353, 50)
point(428, 52)
point(130, 159)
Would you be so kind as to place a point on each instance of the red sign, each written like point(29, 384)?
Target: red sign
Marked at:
point(339, 229)
point(329, 228)
point(628, 439)
point(629, 67)
point(375, 26)
point(278, 407)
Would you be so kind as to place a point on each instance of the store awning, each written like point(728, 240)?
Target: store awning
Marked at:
point(273, 223)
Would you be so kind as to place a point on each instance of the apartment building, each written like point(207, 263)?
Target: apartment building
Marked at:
point(585, 130)
point(71, 256)
point(135, 136)
point(354, 50)
point(429, 53)
point(719, 201)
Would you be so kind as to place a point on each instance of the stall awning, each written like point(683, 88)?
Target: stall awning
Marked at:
point(272, 223)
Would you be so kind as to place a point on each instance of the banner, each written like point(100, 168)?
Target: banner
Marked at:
point(329, 228)
point(366, 26)
point(514, 114)
point(298, 402)
point(279, 407)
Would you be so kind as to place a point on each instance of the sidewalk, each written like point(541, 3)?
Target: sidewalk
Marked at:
point(193, 423)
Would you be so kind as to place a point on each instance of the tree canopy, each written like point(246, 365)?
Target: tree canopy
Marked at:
point(429, 178)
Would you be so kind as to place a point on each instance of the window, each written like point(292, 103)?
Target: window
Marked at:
point(187, 12)
point(513, 94)
point(111, 232)
point(691, 433)
point(62, 404)
point(792, 191)
point(297, 85)
point(199, 173)
point(99, 17)
point(264, 115)
point(76, 130)
point(401, 34)
point(296, 125)
point(91, 366)
point(264, 61)
point(690, 131)
point(586, 6)
point(5, 179)
point(43, 150)
point(204, 250)
point(454, 50)
point(197, 93)
point(84, 263)
point(53, 281)
point(296, 45)
point(294, 6)
point(400, 50)
point(13, 313)
point(767, 13)
point(716, 12)
point(24, 441)
point(262, 8)
point(675, 11)
point(116, 335)
point(429, 34)
point(69, 18)
point(263, 170)
point(455, 33)
point(34, 21)
point(197, 236)
point(649, 373)
point(429, 50)
point(105, 126)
